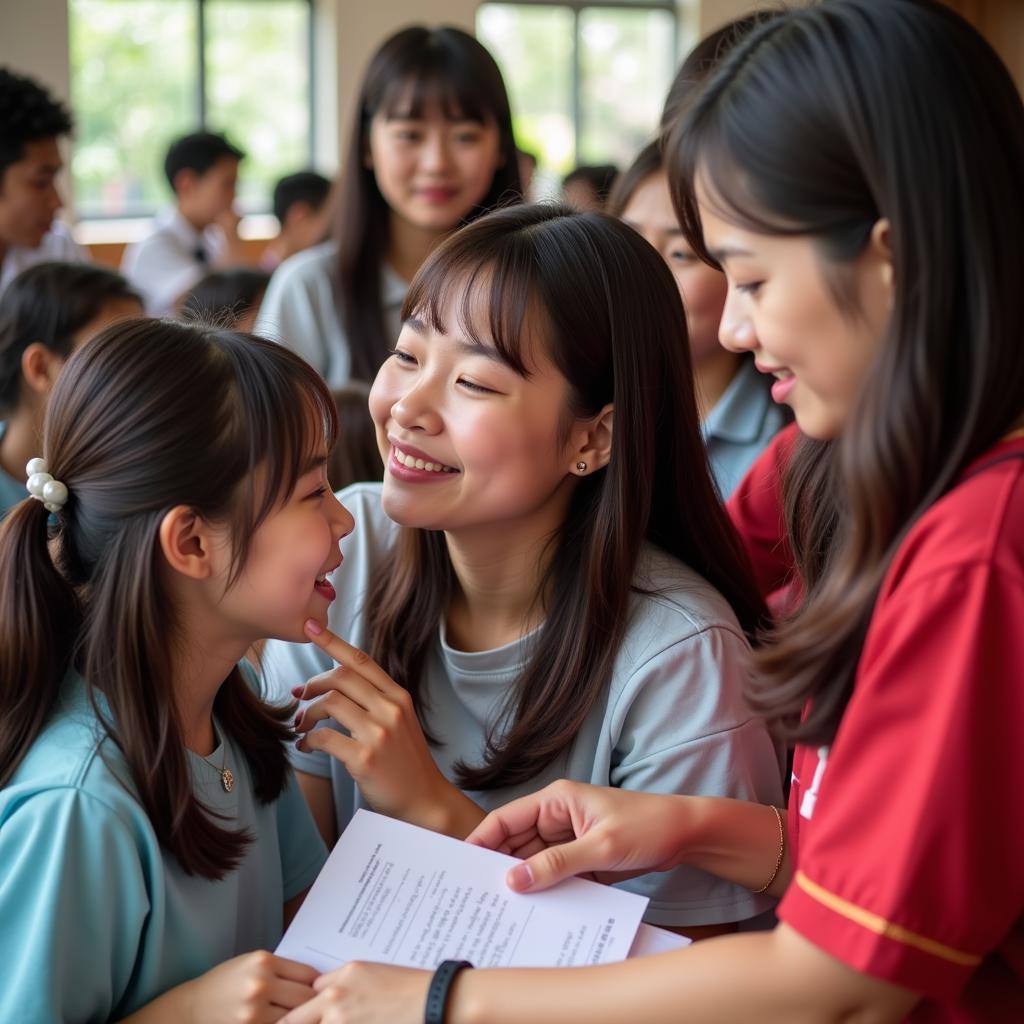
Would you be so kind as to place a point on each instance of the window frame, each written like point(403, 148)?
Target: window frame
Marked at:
point(577, 7)
point(202, 103)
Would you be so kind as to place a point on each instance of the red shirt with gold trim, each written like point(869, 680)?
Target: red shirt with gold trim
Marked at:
point(908, 833)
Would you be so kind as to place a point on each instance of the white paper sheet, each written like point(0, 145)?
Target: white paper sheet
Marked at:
point(394, 893)
point(650, 941)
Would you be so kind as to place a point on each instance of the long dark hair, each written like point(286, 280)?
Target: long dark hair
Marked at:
point(50, 303)
point(613, 318)
point(148, 415)
point(820, 123)
point(413, 66)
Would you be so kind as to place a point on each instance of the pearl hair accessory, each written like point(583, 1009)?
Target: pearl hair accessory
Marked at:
point(52, 493)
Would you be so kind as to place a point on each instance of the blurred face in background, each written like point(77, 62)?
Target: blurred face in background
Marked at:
point(203, 198)
point(650, 213)
point(431, 170)
point(29, 199)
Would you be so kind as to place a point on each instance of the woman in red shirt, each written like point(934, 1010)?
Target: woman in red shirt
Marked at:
point(855, 168)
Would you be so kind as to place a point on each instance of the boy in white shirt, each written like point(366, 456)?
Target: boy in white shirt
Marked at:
point(199, 233)
point(31, 123)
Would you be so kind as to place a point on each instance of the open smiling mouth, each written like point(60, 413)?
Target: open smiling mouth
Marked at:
point(323, 586)
point(414, 462)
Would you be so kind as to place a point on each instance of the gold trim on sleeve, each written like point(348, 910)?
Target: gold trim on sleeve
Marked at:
point(879, 925)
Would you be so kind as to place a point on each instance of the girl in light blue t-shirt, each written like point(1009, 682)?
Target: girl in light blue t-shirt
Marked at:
point(152, 840)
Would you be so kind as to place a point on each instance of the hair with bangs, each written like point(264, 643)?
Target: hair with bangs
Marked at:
point(821, 122)
point(413, 70)
point(149, 415)
point(609, 311)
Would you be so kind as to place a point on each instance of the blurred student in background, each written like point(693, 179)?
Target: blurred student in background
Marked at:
point(738, 416)
point(588, 188)
point(31, 124)
point(228, 298)
point(46, 313)
point(431, 148)
point(302, 210)
point(199, 233)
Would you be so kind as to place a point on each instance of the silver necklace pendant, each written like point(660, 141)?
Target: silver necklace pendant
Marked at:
point(227, 779)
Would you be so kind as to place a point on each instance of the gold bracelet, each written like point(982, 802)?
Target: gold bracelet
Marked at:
point(782, 852)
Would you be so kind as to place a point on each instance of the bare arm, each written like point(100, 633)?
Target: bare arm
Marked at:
point(738, 841)
point(770, 977)
point(253, 986)
point(317, 791)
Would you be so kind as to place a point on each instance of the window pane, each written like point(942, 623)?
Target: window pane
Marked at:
point(134, 87)
point(627, 60)
point(258, 88)
point(533, 46)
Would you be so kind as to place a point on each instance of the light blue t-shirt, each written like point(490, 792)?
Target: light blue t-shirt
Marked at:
point(11, 491)
point(300, 310)
point(96, 919)
point(673, 719)
point(740, 426)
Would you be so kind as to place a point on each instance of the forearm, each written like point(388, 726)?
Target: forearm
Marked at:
point(736, 840)
point(175, 1006)
point(450, 812)
point(760, 977)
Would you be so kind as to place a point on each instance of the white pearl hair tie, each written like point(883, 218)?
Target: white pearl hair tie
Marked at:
point(52, 493)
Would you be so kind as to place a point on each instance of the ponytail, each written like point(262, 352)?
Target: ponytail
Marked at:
point(131, 442)
point(40, 623)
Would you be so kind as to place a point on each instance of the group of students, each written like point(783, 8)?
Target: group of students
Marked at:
point(542, 631)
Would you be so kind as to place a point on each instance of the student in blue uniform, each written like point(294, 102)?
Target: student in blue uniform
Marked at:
point(153, 843)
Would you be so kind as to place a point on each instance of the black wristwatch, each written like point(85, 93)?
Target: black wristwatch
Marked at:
point(440, 988)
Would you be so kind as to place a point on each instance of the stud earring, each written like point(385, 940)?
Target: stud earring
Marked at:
point(581, 466)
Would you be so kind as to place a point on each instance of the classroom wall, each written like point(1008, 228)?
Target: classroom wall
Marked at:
point(34, 41)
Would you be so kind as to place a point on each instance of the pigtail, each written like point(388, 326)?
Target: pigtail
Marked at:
point(39, 627)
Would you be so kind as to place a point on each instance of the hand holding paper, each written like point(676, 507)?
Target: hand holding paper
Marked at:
point(569, 828)
point(394, 893)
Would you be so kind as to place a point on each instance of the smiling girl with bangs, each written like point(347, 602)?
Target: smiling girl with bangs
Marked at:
point(546, 576)
point(431, 149)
